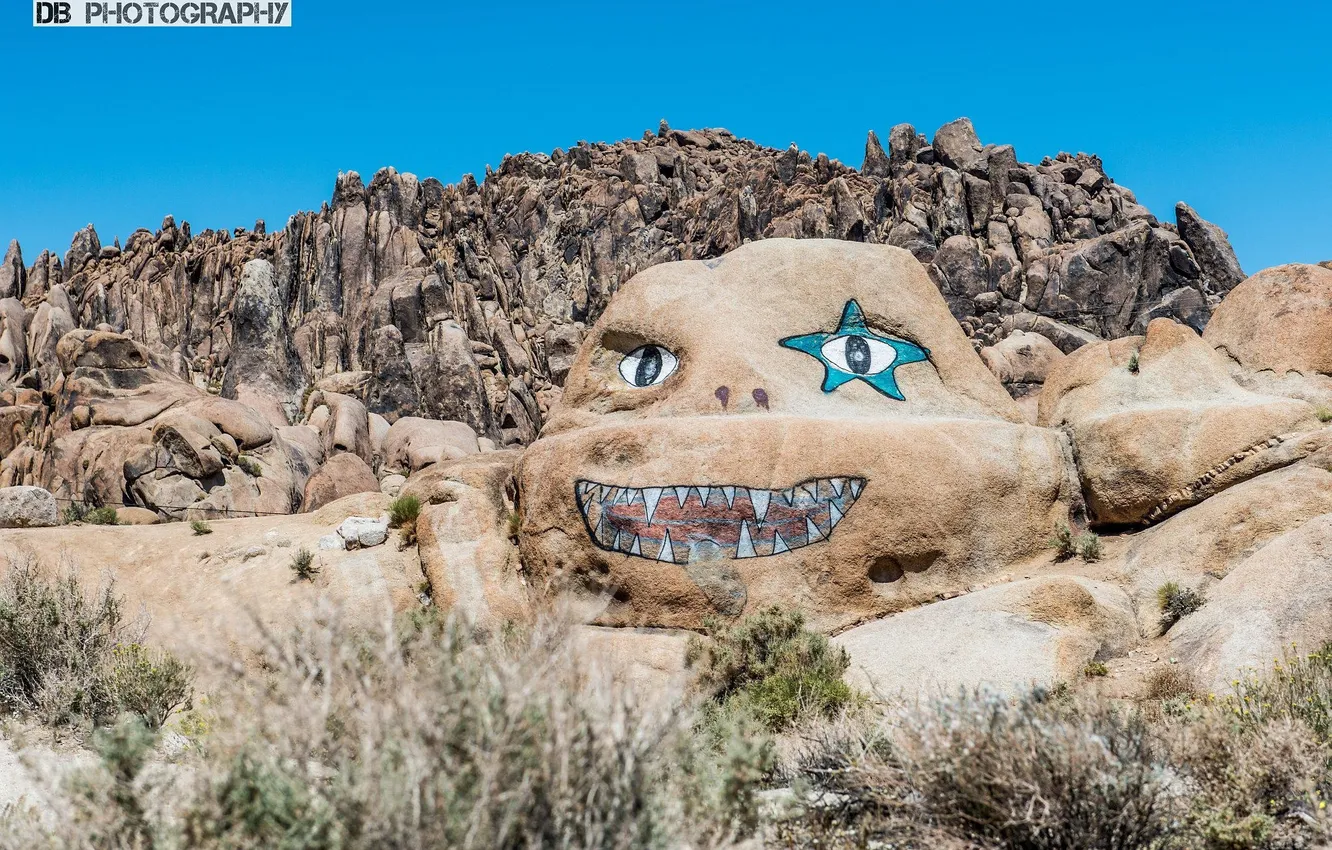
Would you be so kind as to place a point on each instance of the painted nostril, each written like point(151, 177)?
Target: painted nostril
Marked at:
point(761, 397)
point(723, 395)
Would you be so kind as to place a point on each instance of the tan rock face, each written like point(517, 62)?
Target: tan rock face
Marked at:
point(464, 539)
point(1277, 320)
point(413, 443)
point(1204, 543)
point(1159, 424)
point(211, 597)
point(1009, 638)
point(343, 475)
point(1022, 358)
point(1278, 598)
point(800, 422)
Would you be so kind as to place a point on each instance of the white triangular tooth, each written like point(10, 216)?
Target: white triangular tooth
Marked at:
point(703, 494)
point(788, 496)
point(834, 516)
point(681, 494)
point(636, 548)
point(778, 544)
point(811, 489)
point(813, 532)
point(666, 553)
point(759, 499)
point(651, 495)
point(856, 485)
point(745, 548)
point(837, 485)
point(729, 493)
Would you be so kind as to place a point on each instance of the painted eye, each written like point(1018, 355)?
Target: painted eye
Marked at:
point(859, 355)
point(647, 365)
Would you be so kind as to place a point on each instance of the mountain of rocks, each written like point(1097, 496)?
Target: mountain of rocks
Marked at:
point(405, 301)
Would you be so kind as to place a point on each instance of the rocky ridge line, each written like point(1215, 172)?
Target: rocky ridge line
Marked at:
point(467, 302)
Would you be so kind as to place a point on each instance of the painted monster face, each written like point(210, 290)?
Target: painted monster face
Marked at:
point(798, 423)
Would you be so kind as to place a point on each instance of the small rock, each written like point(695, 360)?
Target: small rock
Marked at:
point(254, 552)
point(332, 541)
point(137, 516)
point(363, 531)
point(27, 507)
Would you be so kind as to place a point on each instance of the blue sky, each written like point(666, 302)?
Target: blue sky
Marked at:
point(1226, 106)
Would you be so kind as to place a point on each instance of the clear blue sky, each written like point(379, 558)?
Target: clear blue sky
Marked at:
point(1226, 106)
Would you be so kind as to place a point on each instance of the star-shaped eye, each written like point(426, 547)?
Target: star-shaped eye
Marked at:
point(854, 351)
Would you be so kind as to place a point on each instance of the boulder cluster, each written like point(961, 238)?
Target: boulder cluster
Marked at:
point(409, 299)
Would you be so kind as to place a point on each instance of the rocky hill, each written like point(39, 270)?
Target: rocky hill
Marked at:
point(467, 302)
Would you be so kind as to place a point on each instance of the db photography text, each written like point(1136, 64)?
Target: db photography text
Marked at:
point(83, 13)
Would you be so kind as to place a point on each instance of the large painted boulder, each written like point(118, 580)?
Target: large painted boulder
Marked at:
point(799, 422)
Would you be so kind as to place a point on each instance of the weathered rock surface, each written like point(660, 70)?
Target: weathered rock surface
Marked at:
point(1009, 638)
point(209, 596)
point(413, 443)
point(343, 475)
point(1159, 424)
point(465, 538)
point(1278, 597)
point(1249, 328)
point(1202, 545)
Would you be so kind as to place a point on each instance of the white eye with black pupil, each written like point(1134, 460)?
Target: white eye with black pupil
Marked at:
point(859, 355)
point(647, 365)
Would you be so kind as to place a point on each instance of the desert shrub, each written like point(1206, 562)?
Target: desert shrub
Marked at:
point(250, 466)
point(1324, 413)
point(403, 510)
point(102, 516)
point(74, 512)
point(1170, 682)
point(303, 565)
point(69, 655)
point(402, 514)
point(1095, 669)
point(150, 683)
point(55, 640)
point(1062, 542)
point(1298, 687)
point(993, 772)
point(435, 740)
point(1177, 603)
point(770, 667)
point(1088, 546)
point(1251, 786)
point(200, 527)
point(1133, 363)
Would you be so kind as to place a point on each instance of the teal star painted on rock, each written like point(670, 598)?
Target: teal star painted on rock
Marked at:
point(854, 351)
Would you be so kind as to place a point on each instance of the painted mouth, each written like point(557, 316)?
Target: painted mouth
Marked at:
point(689, 524)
